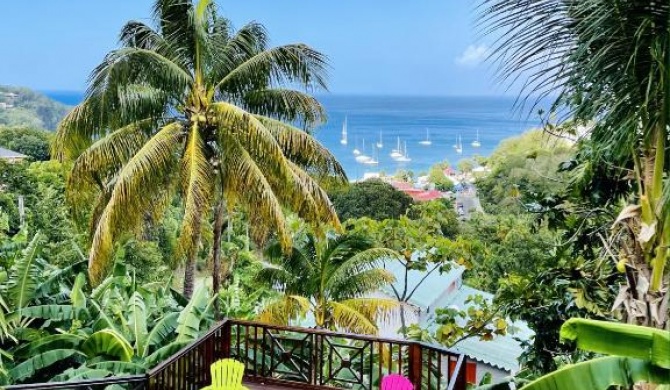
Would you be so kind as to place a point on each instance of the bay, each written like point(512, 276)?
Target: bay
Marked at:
point(408, 119)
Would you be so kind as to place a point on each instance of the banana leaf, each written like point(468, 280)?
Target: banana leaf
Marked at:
point(29, 367)
point(53, 312)
point(613, 338)
point(44, 344)
point(601, 374)
point(108, 342)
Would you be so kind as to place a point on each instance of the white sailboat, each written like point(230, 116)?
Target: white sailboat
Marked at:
point(427, 141)
point(405, 156)
point(343, 141)
point(397, 152)
point(361, 158)
point(476, 143)
point(459, 146)
point(356, 152)
point(373, 160)
point(380, 144)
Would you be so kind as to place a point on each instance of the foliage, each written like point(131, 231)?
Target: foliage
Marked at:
point(439, 214)
point(438, 178)
point(524, 170)
point(481, 319)
point(640, 355)
point(371, 198)
point(41, 185)
point(607, 63)
point(190, 106)
point(30, 109)
point(29, 141)
point(546, 295)
point(53, 326)
point(501, 245)
point(329, 279)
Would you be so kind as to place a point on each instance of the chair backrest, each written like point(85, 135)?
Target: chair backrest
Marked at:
point(227, 374)
point(396, 382)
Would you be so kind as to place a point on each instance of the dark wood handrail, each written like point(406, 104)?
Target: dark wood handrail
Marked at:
point(298, 357)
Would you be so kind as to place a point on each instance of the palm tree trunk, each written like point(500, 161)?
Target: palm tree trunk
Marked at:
point(189, 269)
point(216, 256)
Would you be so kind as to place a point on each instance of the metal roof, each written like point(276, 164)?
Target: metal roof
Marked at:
point(503, 351)
point(429, 290)
point(6, 153)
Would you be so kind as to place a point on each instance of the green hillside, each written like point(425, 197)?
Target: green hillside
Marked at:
point(24, 107)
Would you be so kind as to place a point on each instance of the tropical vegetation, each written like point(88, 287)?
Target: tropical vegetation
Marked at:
point(190, 106)
point(607, 63)
point(330, 279)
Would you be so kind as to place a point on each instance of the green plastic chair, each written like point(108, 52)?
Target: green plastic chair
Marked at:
point(227, 375)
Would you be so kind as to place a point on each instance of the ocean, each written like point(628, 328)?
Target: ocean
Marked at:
point(408, 119)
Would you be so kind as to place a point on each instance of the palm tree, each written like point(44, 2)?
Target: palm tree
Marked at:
point(190, 106)
point(332, 279)
point(608, 62)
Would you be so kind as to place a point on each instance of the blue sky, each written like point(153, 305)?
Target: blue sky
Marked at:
point(381, 47)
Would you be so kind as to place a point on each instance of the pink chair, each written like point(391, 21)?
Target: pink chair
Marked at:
point(396, 382)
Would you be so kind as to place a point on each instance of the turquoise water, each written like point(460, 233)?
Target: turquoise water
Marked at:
point(446, 118)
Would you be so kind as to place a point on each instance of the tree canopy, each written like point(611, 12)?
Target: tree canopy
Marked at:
point(374, 199)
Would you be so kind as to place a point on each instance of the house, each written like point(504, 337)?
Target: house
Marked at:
point(433, 290)
point(11, 156)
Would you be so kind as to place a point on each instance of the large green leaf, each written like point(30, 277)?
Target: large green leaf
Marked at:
point(81, 373)
point(44, 344)
point(53, 312)
point(137, 321)
point(188, 323)
point(162, 331)
point(108, 342)
point(29, 367)
point(77, 296)
point(24, 274)
point(601, 374)
point(119, 367)
point(613, 338)
point(165, 352)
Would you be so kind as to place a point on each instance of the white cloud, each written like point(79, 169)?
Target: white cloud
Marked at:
point(473, 55)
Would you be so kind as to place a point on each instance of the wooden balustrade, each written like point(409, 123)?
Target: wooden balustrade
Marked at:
point(295, 358)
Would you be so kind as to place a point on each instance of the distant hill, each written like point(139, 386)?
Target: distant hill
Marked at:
point(27, 108)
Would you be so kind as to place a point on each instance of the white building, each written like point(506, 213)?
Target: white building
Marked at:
point(498, 356)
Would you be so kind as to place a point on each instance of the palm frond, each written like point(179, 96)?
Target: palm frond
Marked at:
point(349, 319)
point(124, 209)
point(290, 64)
point(244, 180)
point(198, 179)
point(284, 309)
point(285, 105)
point(304, 150)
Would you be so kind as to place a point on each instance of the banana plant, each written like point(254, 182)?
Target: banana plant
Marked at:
point(636, 355)
point(124, 329)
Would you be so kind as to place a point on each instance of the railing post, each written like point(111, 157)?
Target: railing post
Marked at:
point(226, 335)
point(459, 380)
point(415, 364)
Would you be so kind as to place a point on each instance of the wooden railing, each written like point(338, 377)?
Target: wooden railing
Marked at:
point(293, 357)
point(309, 358)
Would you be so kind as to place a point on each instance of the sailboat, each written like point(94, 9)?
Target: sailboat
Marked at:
point(476, 143)
point(361, 158)
point(373, 160)
point(343, 141)
point(380, 144)
point(459, 146)
point(405, 156)
point(356, 152)
point(427, 141)
point(397, 152)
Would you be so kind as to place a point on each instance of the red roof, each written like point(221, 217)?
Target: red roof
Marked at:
point(425, 196)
